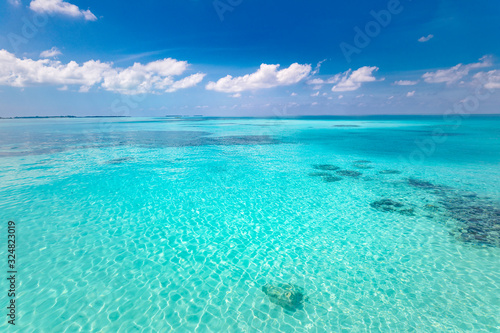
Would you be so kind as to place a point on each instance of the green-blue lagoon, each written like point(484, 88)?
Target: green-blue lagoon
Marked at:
point(379, 224)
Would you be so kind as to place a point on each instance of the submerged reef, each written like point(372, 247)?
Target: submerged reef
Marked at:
point(349, 173)
point(388, 205)
point(479, 220)
point(325, 167)
point(290, 297)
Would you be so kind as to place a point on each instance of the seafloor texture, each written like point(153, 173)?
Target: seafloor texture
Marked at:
point(231, 225)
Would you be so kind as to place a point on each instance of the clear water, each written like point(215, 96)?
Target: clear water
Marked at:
point(156, 225)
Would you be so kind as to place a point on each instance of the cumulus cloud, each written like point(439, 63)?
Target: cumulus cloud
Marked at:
point(154, 77)
point(410, 93)
point(490, 80)
point(347, 81)
point(425, 39)
point(187, 82)
point(53, 52)
point(267, 76)
point(320, 82)
point(62, 8)
point(405, 83)
point(352, 80)
point(455, 73)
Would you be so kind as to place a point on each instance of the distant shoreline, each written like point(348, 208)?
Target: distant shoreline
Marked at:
point(49, 117)
point(304, 117)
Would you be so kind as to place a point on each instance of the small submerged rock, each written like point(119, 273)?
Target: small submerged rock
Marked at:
point(349, 173)
point(325, 167)
point(290, 297)
point(388, 205)
point(119, 160)
point(389, 172)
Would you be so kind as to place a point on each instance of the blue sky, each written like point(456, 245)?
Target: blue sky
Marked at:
point(156, 58)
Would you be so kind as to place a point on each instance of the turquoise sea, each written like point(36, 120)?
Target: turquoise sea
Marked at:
point(376, 224)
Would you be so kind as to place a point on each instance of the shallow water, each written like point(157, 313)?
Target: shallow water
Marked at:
point(155, 225)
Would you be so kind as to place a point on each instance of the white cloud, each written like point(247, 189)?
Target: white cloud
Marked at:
point(490, 80)
point(352, 80)
point(187, 82)
point(267, 76)
point(53, 52)
point(315, 94)
point(410, 93)
point(455, 73)
point(154, 77)
point(293, 94)
point(320, 82)
point(425, 39)
point(318, 67)
point(61, 7)
point(405, 83)
point(15, 2)
point(316, 81)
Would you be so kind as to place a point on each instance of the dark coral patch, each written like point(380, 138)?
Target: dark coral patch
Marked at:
point(388, 205)
point(422, 184)
point(119, 160)
point(349, 173)
point(325, 167)
point(479, 220)
point(389, 172)
point(331, 179)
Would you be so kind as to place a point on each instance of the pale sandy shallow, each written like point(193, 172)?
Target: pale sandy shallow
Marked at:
point(175, 226)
